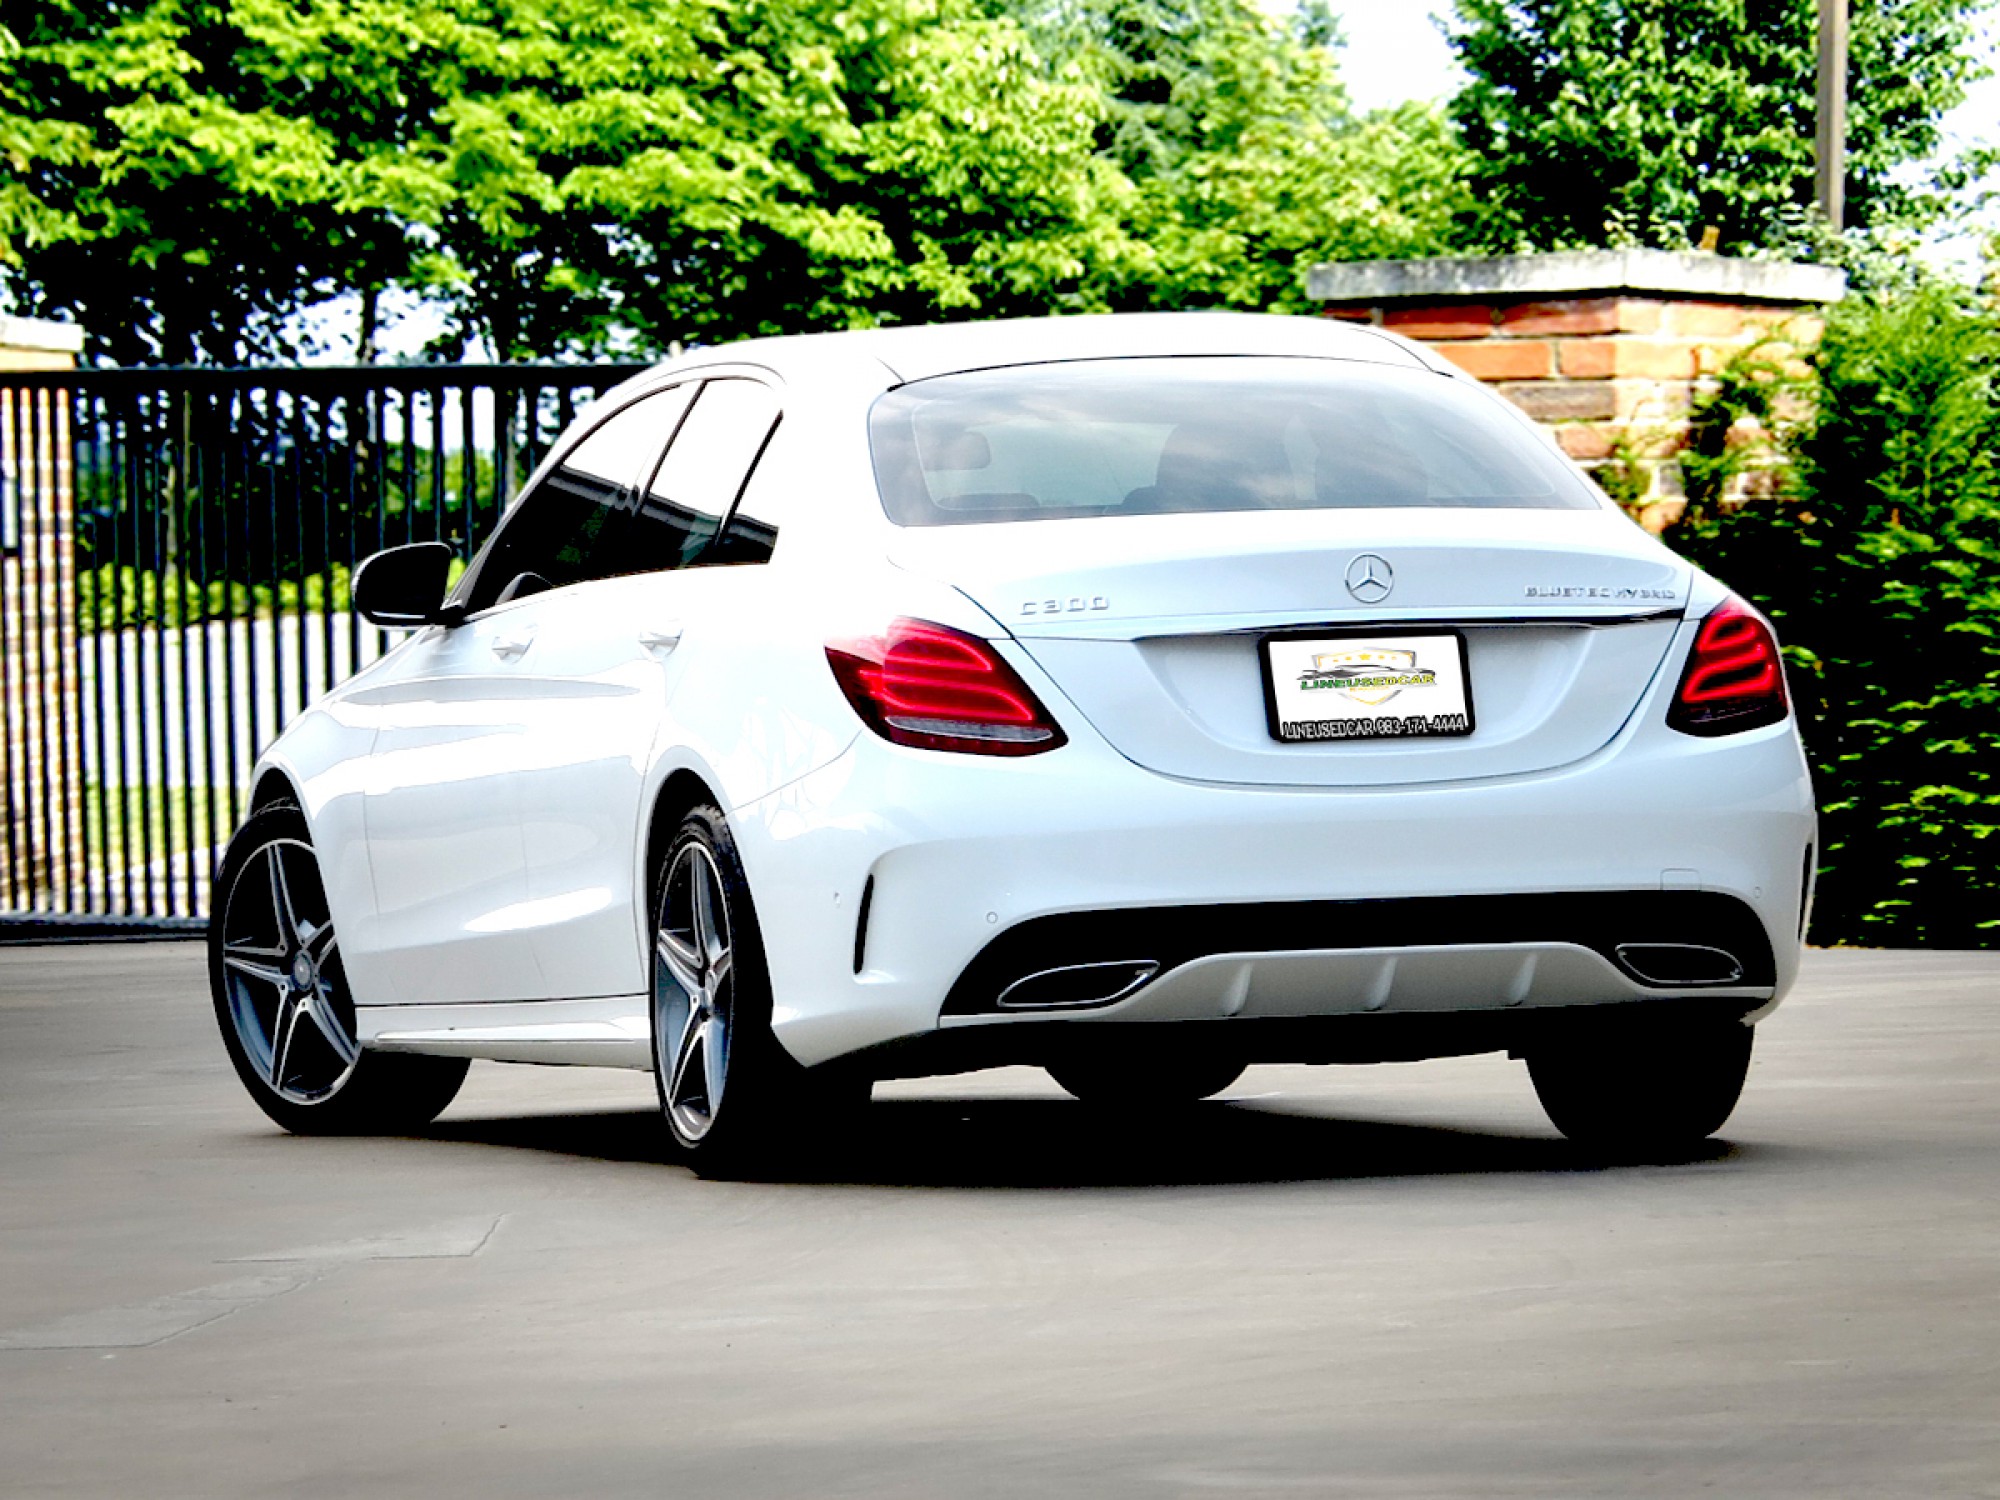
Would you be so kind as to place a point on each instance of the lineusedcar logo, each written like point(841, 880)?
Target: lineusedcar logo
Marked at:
point(1370, 676)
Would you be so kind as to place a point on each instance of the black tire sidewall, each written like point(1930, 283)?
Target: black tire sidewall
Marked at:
point(1651, 1088)
point(1142, 1082)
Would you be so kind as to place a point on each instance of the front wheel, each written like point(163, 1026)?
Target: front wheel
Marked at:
point(281, 996)
point(1652, 1088)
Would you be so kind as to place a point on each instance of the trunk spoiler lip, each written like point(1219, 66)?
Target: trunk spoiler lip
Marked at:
point(1480, 617)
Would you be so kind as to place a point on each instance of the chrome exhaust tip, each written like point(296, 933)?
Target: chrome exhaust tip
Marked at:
point(1075, 985)
point(1672, 964)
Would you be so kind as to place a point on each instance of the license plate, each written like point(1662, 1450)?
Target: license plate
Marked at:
point(1325, 686)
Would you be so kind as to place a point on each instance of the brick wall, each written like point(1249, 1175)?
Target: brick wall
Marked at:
point(1612, 370)
point(41, 846)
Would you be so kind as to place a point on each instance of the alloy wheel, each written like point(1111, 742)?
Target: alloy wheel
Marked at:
point(286, 994)
point(693, 992)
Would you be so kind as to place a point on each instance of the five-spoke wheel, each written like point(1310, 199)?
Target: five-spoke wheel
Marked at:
point(694, 991)
point(281, 971)
point(282, 999)
point(732, 1096)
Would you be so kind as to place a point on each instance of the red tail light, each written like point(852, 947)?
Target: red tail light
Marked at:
point(1734, 680)
point(940, 689)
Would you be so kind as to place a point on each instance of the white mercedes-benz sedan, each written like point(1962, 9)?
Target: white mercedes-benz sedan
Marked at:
point(1138, 697)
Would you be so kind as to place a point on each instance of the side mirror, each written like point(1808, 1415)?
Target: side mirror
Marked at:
point(405, 586)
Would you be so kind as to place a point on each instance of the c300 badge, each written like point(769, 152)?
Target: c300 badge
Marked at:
point(1076, 604)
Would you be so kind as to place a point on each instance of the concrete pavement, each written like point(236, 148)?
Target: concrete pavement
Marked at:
point(1393, 1281)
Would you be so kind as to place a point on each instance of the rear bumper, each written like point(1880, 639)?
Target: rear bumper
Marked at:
point(1506, 896)
point(1337, 957)
point(1378, 1038)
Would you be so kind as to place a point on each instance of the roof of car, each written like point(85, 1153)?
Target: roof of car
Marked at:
point(919, 352)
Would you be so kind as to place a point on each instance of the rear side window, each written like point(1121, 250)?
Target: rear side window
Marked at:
point(704, 471)
point(751, 533)
point(1157, 436)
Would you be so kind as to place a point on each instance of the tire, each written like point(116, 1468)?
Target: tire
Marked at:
point(1643, 1088)
point(281, 996)
point(733, 1098)
point(1145, 1081)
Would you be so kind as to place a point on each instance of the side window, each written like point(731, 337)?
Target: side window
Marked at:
point(702, 475)
point(573, 526)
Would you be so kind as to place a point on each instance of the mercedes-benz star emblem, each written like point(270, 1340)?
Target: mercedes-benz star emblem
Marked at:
point(1369, 578)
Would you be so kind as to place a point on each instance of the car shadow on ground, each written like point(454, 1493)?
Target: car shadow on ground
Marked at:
point(1012, 1143)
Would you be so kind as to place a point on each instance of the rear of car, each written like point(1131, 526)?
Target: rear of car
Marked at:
point(1137, 697)
point(1300, 709)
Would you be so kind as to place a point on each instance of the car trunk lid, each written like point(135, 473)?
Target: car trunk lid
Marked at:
point(1153, 627)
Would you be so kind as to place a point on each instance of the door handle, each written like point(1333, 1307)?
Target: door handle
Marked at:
point(512, 646)
point(662, 638)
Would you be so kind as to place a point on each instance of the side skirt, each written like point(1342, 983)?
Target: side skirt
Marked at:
point(609, 1032)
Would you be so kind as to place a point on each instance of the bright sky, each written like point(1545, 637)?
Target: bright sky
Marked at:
point(1394, 52)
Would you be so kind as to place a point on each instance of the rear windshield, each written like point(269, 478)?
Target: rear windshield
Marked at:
point(1141, 437)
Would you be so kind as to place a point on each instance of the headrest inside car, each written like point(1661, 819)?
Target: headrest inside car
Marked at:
point(954, 452)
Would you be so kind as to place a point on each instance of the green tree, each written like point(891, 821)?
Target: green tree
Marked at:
point(1600, 122)
point(563, 174)
point(1246, 159)
point(918, 160)
point(160, 190)
point(581, 175)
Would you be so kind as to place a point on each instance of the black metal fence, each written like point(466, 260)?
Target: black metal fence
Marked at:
point(175, 553)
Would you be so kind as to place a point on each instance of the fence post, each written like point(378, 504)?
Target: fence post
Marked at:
point(40, 761)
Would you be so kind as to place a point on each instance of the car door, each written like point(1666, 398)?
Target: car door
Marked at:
point(468, 717)
point(613, 655)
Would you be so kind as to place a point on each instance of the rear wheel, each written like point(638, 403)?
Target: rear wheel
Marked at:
point(1654, 1087)
point(732, 1096)
point(282, 1001)
point(1145, 1082)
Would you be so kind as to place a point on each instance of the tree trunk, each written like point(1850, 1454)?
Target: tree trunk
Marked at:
point(371, 313)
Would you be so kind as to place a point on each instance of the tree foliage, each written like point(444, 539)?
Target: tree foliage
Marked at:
point(1600, 122)
point(553, 169)
point(1245, 158)
point(569, 175)
point(139, 127)
point(1882, 572)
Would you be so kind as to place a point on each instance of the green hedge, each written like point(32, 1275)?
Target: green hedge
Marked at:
point(118, 596)
point(1881, 568)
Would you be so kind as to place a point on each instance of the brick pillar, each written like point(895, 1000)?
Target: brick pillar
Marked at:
point(42, 863)
point(1606, 348)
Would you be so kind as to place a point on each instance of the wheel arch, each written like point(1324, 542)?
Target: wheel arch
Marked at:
point(683, 790)
point(302, 772)
point(272, 787)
